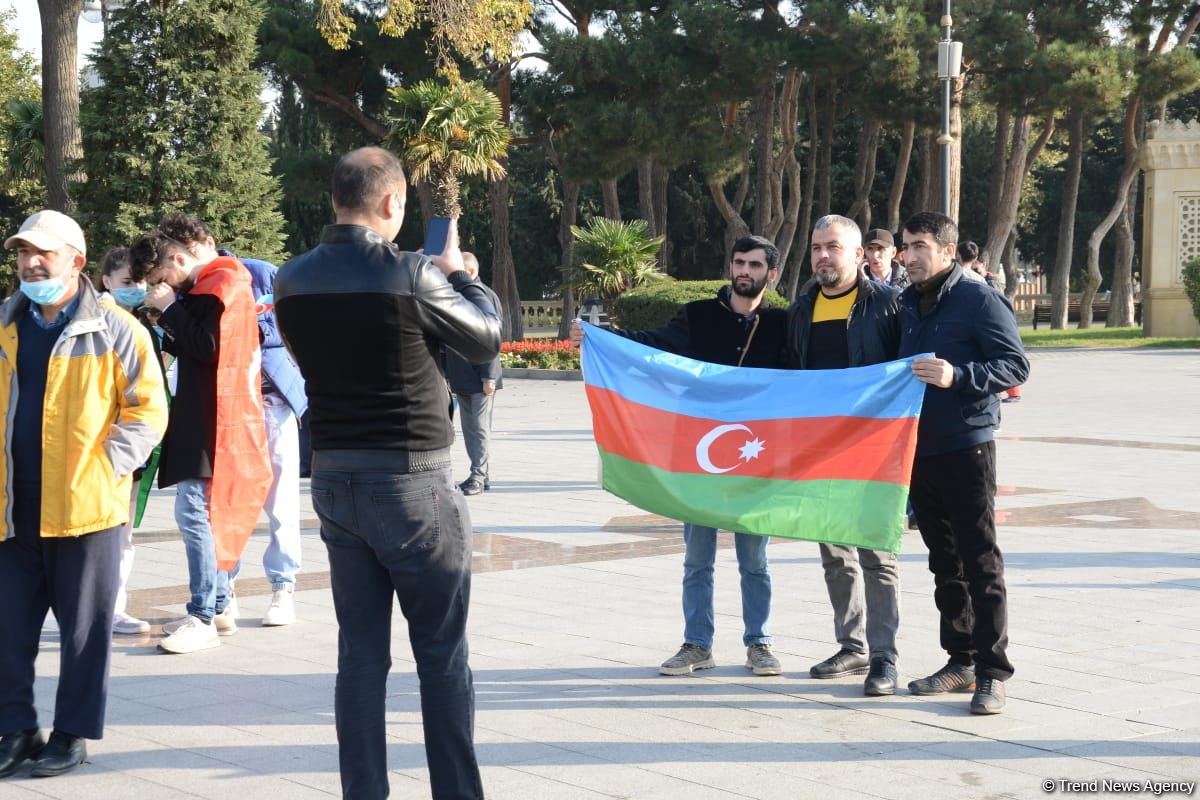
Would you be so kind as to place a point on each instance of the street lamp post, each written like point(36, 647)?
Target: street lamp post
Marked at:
point(949, 64)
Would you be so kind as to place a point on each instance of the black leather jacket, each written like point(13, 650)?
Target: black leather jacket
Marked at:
point(872, 331)
point(366, 321)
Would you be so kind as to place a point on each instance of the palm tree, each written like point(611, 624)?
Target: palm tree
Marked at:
point(613, 257)
point(444, 133)
point(22, 129)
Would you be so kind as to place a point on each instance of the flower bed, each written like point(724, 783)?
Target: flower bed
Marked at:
point(539, 354)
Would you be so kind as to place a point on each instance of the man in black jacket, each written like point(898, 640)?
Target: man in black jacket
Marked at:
point(734, 328)
point(971, 329)
point(366, 323)
point(841, 319)
point(475, 386)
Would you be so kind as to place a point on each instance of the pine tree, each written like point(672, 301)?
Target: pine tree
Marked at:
point(174, 126)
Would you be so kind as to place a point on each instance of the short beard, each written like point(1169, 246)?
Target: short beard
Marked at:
point(828, 278)
point(752, 291)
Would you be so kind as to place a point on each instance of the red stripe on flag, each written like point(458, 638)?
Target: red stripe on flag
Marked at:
point(817, 448)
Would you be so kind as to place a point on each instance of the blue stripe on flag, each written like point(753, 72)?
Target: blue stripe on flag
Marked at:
point(681, 385)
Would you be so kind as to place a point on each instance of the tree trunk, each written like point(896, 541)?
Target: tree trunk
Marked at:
point(1000, 150)
point(1120, 309)
point(1092, 280)
point(864, 173)
point(896, 195)
point(804, 218)
point(60, 98)
point(645, 179)
point(1009, 259)
point(1060, 277)
point(764, 163)
point(504, 274)
point(567, 219)
point(926, 174)
point(825, 163)
point(612, 201)
point(662, 183)
point(956, 129)
point(1020, 160)
point(1129, 175)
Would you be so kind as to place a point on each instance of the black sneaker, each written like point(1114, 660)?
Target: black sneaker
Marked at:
point(841, 664)
point(989, 696)
point(950, 678)
point(881, 680)
point(470, 487)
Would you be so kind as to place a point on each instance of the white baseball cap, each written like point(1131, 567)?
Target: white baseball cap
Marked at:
point(49, 230)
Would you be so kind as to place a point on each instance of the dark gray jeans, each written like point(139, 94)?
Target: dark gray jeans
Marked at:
point(864, 589)
point(406, 534)
point(475, 411)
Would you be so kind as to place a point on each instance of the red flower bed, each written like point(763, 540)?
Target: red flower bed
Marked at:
point(540, 354)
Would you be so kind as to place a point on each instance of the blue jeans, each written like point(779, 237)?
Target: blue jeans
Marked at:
point(698, 560)
point(406, 535)
point(209, 588)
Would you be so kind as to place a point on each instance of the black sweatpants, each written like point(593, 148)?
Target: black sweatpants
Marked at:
point(953, 495)
point(77, 577)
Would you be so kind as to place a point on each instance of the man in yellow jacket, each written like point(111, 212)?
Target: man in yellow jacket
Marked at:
point(81, 407)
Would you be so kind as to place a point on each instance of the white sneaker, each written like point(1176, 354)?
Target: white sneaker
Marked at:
point(170, 627)
point(282, 610)
point(193, 634)
point(226, 621)
point(123, 623)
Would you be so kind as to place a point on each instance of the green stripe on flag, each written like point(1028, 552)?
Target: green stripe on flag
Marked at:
point(867, 514)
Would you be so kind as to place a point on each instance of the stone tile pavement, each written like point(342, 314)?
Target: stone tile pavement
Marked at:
point(576, 601)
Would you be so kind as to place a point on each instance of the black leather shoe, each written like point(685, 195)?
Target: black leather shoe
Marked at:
point(840, 664)
point(881, 680)
point(989, 696)
point(471, 486)
point(16, 747)
point(63, 753)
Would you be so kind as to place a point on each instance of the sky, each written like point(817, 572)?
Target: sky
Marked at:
point(29, 29)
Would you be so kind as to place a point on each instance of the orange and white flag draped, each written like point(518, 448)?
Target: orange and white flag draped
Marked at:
point(241, 464)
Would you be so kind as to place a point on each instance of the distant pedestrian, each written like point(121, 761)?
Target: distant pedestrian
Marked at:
point(475, 386)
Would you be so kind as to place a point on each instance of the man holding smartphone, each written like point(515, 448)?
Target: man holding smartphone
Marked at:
point(366, 323)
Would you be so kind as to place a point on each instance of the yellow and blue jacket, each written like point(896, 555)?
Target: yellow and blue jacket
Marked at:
point(104, 411)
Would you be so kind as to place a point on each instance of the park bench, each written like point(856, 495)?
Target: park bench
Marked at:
point(1041, 312)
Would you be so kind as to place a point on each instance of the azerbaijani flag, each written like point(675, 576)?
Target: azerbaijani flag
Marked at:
point(823, 455)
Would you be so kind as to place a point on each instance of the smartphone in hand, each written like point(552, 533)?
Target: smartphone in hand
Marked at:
point(437, 236)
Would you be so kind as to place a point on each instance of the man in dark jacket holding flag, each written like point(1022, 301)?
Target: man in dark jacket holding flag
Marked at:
point(735, 329)
point(978, 353)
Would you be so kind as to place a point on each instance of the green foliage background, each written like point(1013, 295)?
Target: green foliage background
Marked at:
point(652, 306)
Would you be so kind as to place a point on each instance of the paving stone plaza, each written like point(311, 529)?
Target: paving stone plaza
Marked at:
point(575, 602)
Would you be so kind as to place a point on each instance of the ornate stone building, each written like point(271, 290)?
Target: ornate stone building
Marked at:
point(1171, 158)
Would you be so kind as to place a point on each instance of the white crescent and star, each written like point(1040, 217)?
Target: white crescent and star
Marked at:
point(749, 449)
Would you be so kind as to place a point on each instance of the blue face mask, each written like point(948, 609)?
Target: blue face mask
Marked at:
point(44, 293)
point(129, 297)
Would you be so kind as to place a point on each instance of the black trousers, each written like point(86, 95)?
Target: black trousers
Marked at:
point(953, 495)
point(77, 577)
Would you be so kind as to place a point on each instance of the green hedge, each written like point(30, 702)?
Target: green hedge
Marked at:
point(651, 306)
point(1191, 284)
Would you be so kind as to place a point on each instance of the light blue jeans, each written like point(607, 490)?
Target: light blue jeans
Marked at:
point(699, 556)
point(209, 588)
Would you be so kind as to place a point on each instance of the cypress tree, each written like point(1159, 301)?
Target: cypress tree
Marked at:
point(173, 125)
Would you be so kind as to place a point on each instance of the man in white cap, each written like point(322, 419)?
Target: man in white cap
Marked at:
point(82, 405)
